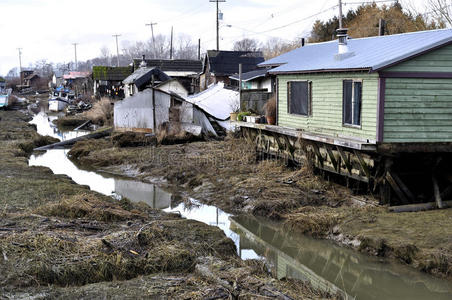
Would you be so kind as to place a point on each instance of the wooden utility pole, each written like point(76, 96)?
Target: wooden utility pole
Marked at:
point(218, 22)
point(75, 54)
point(171, 48)
point(199, 49)
point(20, 64)
point(381, 27)
point(117, 48)
point(340, 14)
point(152, 30)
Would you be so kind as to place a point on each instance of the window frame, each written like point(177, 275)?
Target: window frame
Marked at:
point(309, 114)
point(353, 80)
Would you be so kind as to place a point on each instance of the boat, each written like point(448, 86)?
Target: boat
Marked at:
point(4, 97)
point(60, 98)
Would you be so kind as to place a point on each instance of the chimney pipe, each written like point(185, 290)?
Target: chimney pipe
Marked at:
point(143, 62)
point(342, 35)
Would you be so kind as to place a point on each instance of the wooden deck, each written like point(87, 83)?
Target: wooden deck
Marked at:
point(351, 143)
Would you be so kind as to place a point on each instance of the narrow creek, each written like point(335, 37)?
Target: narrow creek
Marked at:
point(326, 265)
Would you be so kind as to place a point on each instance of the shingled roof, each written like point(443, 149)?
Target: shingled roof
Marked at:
point(111, 73)
point(226, 63)
point(168, 65)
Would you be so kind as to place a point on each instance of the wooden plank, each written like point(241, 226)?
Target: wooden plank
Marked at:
point(439, 201)
point(418, 207)
point(404, 188)
point(396, 188)
point(362, 164)
point(332, 158)
point(345, 159)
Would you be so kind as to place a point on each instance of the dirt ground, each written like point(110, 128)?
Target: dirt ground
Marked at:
point(61, 240)
point(227, 174)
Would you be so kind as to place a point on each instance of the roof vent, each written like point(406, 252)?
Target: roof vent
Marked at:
point(143, 62)
point(343, 51)
point(342, 35)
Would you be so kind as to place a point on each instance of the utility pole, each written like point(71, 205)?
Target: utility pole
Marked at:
point(171, 48)
point(152, 30)
point(340, 14)
point(218, 22)
point(199, 49)
point(117, 48)
point(75, 53)
point(20, 64)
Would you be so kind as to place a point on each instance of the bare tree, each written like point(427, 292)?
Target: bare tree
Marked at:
point(246, 44)
point(14, 72)
point(277, 46)
point(185, 48)
point(441, 11)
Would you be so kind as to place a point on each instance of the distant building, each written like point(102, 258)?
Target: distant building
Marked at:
point(108, 81)
point(219, 65)
point(80, 82)
point(142, 79)
point(185, 71)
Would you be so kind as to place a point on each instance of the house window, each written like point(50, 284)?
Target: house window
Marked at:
point(352, 99)
point(299, 98)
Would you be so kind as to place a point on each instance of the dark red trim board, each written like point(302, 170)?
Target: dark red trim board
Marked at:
point(381, 109)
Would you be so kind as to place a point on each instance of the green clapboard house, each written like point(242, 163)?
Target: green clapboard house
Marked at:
point(394, 89)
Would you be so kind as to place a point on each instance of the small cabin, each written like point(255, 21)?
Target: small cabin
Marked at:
point(387, 89)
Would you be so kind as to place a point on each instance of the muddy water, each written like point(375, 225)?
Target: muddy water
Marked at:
point(324, 264)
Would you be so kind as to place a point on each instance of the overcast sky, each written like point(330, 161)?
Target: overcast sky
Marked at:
point(46, 29)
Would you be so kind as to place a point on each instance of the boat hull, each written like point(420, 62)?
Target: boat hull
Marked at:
point(57, 105)
point(3, 101)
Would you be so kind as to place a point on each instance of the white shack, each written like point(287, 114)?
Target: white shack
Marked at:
point(148, 110)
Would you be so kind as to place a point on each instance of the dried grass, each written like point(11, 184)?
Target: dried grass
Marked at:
point(88, 206)
point(101, 113)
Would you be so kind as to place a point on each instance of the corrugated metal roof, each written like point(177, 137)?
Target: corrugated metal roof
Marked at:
point(371, 53)
point(262, 72)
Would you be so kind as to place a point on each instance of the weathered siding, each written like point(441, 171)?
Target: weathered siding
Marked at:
point(437, 61)
point(327, 105)
point(136, 112)
point(418, 110)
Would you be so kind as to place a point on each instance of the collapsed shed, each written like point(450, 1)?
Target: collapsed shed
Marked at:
point(153, 109)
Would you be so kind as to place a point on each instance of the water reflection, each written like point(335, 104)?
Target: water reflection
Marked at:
point(136, 191)
point(325, 265)
point(45, 126)
point(334, 268)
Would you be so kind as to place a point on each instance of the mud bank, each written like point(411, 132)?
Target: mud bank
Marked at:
point(228, 175)
point(60, 239)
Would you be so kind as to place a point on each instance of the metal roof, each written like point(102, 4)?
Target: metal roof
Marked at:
point(262, 72)
point(372, 53)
